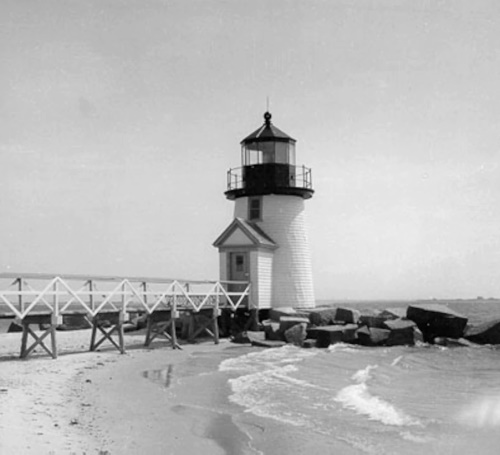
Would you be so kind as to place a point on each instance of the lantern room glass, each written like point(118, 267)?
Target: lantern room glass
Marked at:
point(265, 152)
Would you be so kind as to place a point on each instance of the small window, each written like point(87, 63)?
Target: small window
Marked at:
point(240, 260)
point(254, 208)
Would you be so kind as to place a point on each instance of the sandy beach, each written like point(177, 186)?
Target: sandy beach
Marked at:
point(156, 400)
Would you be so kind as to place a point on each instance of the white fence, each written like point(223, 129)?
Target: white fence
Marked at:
point(26, 294)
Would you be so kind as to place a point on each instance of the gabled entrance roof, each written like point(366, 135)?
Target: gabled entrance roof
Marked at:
point(242, 232)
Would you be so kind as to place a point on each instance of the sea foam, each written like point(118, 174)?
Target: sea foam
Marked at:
point(264, 381)
point(357, 397)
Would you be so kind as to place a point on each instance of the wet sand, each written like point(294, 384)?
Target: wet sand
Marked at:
point(155, 401)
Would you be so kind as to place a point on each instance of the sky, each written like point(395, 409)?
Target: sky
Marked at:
point(120, 118)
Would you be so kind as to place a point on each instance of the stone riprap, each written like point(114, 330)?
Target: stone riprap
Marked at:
point(322, 327)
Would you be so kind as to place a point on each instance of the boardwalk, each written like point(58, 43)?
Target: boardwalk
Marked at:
point(107, 302)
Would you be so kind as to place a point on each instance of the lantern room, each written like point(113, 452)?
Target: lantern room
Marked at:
point(267, 145)
point(268, 166)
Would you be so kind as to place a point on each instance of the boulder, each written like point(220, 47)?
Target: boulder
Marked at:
point(401, 332)
point(485, 333)
point(275, 314)
point(435, 320)
point(452, 342)
point(418, 336)
point(74, 322)
point(325, 336)
point(349, 333)
point(296, 334)
point(372, 336)
point(322, 317)
point(286, 322)
point(372, 319)
point(309, 343)
point(255, 336)
point(312, 332)
point(347, 315)
point(394, 313)
point(331, 334)
point(268, 343)
point(240, 338)
point(248, 336)
point(140, 321)
point(272, 330)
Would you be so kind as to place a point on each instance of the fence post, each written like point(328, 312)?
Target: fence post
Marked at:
point(215, 317)
point(55, 298)
point(91, 296)
point(20, 296)
point(145, 293)
point(123, 299)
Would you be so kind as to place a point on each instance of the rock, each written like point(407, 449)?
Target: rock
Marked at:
point(349, 333)
point(372, 336)
point(347, 315)
point(74, 322)
point(287, 322)
point(255, 336)
point(127, 327)
point(485, 333)
point(296, 334)
point(141, 321)
point(302, 314)
point(399, 324)
point(325, 336)
point(309, 343)
point(435, 320)
point(269, 343)
point(312, 332)
point(418, 336)
point(275, 314)
point(240, 338)
point(331, 334)
point(248, 336)
point(372, 319)
point(401, 332)
point(322, 317)
point(272, 330)
point(394, 313)
point(452, 342)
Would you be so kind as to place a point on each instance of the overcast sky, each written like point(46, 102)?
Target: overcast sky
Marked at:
point(120, 118)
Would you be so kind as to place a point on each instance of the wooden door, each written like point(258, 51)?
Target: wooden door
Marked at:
point(239, 270)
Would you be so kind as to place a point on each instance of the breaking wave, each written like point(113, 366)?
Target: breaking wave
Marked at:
point(357, 397)
point(267, 380)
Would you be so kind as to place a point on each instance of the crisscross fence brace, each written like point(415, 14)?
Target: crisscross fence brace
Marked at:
point(26, 294)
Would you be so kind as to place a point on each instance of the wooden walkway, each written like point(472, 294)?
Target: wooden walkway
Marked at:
point(107, 302)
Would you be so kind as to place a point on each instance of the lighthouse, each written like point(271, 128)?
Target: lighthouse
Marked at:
point(266, 243)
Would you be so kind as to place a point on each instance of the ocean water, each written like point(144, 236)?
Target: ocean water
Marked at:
point(397, 400)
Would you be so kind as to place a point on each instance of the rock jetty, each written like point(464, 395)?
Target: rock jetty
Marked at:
point(322, 327)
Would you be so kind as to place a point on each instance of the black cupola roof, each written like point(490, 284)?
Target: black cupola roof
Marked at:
point(268, 132)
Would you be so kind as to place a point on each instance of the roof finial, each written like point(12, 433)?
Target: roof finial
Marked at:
point(267, 118)
point(267, 115)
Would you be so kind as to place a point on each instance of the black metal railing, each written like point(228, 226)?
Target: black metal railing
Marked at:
point(269, 175)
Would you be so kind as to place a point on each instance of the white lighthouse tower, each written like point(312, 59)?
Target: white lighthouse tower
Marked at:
point(267, 242)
